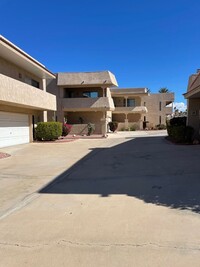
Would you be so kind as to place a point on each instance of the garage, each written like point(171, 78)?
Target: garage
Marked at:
point(14, 129)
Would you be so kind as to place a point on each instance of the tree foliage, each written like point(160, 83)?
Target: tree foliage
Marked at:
point(163, 90)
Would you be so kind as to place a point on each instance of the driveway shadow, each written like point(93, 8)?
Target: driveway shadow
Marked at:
point(150, 169)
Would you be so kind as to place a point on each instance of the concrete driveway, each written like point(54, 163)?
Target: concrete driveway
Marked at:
point(129, 200)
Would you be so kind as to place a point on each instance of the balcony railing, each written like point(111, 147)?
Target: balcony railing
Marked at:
point(14, 92)
point(168, 110)
point(99, 103)
point(136, 109)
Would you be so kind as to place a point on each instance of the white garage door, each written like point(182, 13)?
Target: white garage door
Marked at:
point(14, 129)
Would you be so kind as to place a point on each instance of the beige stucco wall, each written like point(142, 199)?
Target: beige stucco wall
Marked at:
point(17, 73)
point(87, 117)
point(133, 117)
point(118, 117)
point(154, 113)
point(87, 104)
point(194, 115)
point(14, 92)
point(101, 78)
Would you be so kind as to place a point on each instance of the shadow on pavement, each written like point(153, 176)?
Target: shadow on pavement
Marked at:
point(147, 168)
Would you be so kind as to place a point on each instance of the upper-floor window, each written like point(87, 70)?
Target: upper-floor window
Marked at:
point(90, 94)
point(68, 94)
point(35, 83)
point(130, 102)
point(32, 82)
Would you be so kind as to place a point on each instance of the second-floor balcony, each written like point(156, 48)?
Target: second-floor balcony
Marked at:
point(88, 104)
point(16, 93)
point(134, 109)
point(168, 110)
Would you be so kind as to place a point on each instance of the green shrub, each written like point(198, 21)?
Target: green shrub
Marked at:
point(132, 128)
point(161, 127)
point(180, 133)
point(113, 125)
point(48, 131)
point(178, 121)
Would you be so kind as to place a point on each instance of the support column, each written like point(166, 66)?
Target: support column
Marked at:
point(44, 85)
point(126, 101)
point(140, 122)
point(126, 121)
point(44, 116)
point(104, 125)
point(104, 91)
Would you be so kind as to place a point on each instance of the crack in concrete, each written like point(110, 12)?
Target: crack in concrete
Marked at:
point(122, 245)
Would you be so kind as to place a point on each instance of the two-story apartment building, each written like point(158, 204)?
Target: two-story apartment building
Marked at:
point(129, 108)
point(136, 107)
point(193, 102)
point(23, 97)
point(28, 91)
point(82, 98)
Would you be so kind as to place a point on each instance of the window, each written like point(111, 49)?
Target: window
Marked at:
point(35, 83)
point(90, 94)
point(67, 93)
point(145, 104)
point(32, 82)
point(130, 102)
point(159, 119)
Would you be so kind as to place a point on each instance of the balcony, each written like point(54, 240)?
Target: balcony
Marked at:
point(88, 104)
point(126, 110)
point(168, 110)
point(16, 93)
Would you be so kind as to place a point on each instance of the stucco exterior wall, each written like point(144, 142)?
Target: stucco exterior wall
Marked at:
point(14, 92)
point(194, 115)
point(74, 118)
point(17, 73)
point(133, 117)
point(87, 117)
point(152, 102)
point(118, 117)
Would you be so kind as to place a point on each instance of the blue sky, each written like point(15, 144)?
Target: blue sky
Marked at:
point(145, 43)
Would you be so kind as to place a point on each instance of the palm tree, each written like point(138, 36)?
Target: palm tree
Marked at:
point(163, 90)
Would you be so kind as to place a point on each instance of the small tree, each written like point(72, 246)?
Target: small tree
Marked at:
point(91, 129)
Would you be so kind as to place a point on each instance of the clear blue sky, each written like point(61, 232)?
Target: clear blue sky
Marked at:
point(145, 43)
